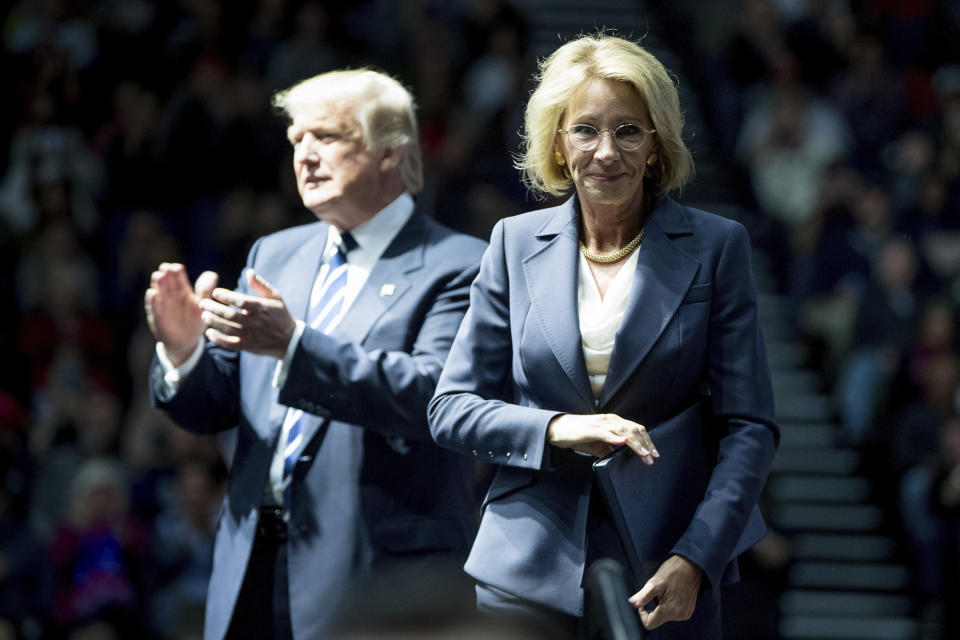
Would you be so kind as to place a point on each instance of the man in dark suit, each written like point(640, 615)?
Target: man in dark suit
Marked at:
point(318, 368)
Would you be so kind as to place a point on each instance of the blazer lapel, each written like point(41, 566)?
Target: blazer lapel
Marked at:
point(551, 276)
point(295, 284)
point(303, 266)
point(384, 286)
point(664, 274)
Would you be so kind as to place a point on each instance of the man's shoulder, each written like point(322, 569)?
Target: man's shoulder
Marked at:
point(443, 238)
point(296, 233)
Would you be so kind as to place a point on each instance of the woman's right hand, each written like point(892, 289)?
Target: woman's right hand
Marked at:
point(598, 434)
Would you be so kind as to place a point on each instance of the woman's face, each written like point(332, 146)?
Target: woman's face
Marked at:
point(607, 176)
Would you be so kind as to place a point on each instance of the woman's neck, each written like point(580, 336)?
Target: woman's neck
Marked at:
point(608, 228)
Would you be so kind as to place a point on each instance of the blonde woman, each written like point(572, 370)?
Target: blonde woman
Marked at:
point(594, 325)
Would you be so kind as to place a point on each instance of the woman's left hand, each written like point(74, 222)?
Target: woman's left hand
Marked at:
point(675, 585)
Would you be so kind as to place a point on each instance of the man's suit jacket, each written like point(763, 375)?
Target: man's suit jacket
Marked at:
point(378, 486)
point(689, 330)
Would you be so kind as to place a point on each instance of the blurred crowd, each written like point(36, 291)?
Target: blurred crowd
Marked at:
point(842, 121)
point(139, 132)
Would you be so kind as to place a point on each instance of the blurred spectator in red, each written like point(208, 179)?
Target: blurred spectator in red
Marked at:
point(101, 554)
point(937, 336)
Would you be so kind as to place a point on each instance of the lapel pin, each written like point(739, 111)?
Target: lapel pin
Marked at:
point(387, 290)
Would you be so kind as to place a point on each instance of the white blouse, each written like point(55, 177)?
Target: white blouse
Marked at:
point(600, 319)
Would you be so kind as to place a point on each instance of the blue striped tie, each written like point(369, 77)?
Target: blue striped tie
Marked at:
point(324, 315)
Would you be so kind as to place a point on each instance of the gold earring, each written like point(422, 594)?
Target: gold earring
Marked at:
point(558, 157)
point(652, 159)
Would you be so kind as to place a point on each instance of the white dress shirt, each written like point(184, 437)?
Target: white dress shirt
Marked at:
point(600, 318)
point(372, 237)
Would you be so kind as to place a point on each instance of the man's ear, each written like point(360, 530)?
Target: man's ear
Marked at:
point(390, 158)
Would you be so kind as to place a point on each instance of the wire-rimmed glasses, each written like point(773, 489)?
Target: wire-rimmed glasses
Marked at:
point(586, 137)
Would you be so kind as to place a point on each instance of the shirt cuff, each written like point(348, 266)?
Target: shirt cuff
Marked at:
point(172, 375)
point(283, 367)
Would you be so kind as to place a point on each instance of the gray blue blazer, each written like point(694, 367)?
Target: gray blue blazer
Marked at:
point(689, 331)
point(379, 487)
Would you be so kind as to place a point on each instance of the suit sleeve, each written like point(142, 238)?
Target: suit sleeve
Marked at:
point(379, 389)
point(469, 412)
point(207, 400)
point(743, 410)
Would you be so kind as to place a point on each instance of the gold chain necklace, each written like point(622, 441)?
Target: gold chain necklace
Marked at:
point(613, 257)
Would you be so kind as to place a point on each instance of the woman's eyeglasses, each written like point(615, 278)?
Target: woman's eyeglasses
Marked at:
point(586, 137)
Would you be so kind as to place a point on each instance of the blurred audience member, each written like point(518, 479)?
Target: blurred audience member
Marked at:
point(184, 534)
point(26, 574)
point(846, 255)
point(885, 322)
point(914, 437)
point(871, 96)
point(930, 513)
point(51, 174)
point(101, 555)
point(788, 139)
point(306, 52)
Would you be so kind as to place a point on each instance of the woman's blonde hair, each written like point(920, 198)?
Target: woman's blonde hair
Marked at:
point(384, 110)
point(601, 56)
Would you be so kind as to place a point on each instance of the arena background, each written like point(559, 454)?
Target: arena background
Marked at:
point(135, 132)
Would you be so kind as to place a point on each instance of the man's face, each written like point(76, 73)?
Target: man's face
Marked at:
point(338, 179)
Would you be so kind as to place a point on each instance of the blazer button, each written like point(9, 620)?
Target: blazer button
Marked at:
point(474, 452)
point(524, 456)
point(491, 453)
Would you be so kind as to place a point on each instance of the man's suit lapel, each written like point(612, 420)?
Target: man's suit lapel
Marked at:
point(296, 284)
point(664, 274)
point(302, 269)
point(385, 285)
point(551, 275)
point(388, 281)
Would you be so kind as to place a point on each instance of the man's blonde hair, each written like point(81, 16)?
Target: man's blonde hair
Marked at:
point(384, 109)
